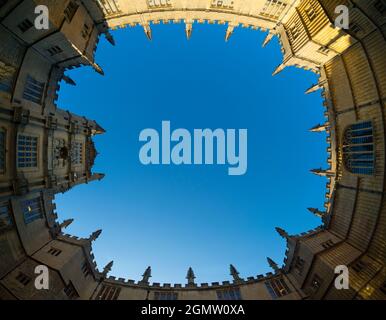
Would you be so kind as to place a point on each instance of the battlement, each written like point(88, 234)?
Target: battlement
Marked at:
point(178, 286)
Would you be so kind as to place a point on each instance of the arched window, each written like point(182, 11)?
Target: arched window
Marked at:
point(358, 148)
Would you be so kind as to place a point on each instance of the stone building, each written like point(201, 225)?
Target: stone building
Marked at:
point(45, 150)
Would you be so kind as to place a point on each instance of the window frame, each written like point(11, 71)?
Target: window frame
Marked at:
point(351, 153)
point(34, 136)
point(74, 147)
point(227, 294)
point(37, 215)
point(3, 169)
point(273, 287)
point(7, 215)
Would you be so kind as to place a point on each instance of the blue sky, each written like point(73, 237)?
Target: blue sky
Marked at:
point(173, 217)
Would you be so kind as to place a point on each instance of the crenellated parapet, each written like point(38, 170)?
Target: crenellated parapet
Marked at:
point(351, 68)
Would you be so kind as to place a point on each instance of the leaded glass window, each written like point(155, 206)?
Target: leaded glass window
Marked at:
point(27, 151)
point(32, 209)
point(358, 148)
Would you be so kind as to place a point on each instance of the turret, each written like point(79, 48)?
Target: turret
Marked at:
point(282, 233)
point(147, 30)
point(279, 69)
point(68, 80)
point(234, 273)
point(94, 235)
point(146, 276)
point(190, 277)
point(98, 69)
point(273, 265)
point(107, 269)
point(97, 176)
point(66, 223)
point(188, 30)
point(229, 32)
point(109, 38)
point(319, 128)
point(267, 39)
point(322, 173)
point(313, 88)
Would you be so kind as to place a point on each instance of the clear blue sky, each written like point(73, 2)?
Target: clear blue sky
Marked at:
point(173, 217)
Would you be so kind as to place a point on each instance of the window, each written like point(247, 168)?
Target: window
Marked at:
point(327, 244)
point(273, 9)
point(380, 5)
point(223, 4)
point(358, 148)
point(277, 288)
point(54, 50)
point(108, 293)
point(27, 151)
point(299, 265)
point(86, 269)
point(359, 266)
point(310, 12)
point(7, 73)
point(77, 153)
point(324, 50)
point(229, 294)
point(2, 151)
point(109, 7)
point(165, 296)
point(70, 11)
point(33, 90)
point(25, 25)
point(85, 31)
point(383, 288)
point(316, 283)
point(32, 209)
point(70, 291)
point(54, 252)
point(5, 215)
point(159, 3)
point(355, 28)
point(294, 31)
point(23, 279)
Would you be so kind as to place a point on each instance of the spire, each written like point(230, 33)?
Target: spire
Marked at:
point(234, 273)
point(267, 39)
point(188, 30)
point(229, 32)
point(66, 223)
point(146, 276)
point(97, 176)
point(95, 235)
point(190, 277)
point(313, 88)
point(279, 69)
point(107, 268)
point(109, 38)
point(147, 30)
point(318, 213)
point(322, 173)
point(90, 61)
point(97, 129)
point(98, 69)
point(273, 264)
point(68, 80)
point(319, 128)
point(282, 233)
